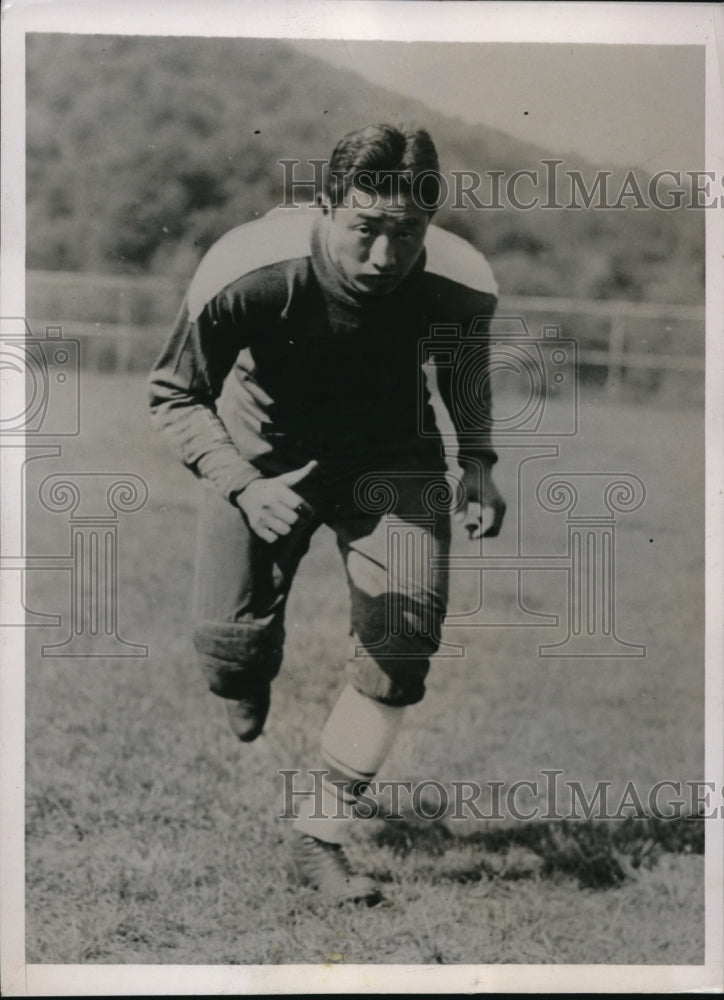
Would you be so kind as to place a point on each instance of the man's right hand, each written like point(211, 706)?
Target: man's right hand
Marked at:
point(271, 506)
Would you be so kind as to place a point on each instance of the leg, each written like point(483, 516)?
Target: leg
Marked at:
point(398, 606)
point(240, 592)
point(399, 590)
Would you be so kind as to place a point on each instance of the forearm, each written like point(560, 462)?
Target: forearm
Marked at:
point(184, 386)
point(474, 436)
point(462, 365)
point(197, 436)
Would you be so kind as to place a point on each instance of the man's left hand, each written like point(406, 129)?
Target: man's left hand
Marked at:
point(479, 493)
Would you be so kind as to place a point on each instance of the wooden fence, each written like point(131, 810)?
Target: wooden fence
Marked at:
point(122, 321)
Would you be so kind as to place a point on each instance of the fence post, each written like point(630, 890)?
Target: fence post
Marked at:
point(122, 346)
point(616, 336)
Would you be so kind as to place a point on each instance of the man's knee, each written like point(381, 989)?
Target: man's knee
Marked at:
point(399, 625)
point(391, 658)
point(394, 637)
point(239, 659)
point(397, 682)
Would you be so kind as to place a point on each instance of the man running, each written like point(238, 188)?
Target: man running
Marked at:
point(291, 385)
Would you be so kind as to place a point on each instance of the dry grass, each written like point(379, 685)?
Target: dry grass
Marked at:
point(151, 833)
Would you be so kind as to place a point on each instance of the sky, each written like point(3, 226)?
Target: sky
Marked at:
point(624, 105)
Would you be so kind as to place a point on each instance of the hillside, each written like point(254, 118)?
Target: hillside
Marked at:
point(142, 151)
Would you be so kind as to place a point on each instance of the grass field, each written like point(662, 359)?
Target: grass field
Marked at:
point(152, 834)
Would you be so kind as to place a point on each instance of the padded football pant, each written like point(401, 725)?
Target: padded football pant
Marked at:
point(390, 541)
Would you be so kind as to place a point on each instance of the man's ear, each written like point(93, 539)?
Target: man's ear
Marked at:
point(324, 204)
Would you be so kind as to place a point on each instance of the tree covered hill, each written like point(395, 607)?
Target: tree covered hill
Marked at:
point(142, 151)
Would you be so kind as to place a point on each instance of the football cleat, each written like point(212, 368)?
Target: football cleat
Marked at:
point(326, 868)
point(248, 715)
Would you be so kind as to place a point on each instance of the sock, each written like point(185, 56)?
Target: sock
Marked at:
point(356, 739)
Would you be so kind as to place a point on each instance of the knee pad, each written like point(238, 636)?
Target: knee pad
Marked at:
point(398, 634)
point(396, 682)
point(398, 625)
point(239, 659)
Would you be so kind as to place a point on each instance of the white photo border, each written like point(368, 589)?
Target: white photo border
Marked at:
point(572, 23)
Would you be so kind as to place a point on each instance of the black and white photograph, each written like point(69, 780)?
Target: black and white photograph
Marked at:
point(361, 460)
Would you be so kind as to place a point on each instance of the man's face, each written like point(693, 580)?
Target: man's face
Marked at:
point(376, 248)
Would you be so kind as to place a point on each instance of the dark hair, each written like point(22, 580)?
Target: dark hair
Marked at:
point(381, 153)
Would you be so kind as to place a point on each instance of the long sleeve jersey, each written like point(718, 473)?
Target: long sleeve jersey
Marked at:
point(272, 350)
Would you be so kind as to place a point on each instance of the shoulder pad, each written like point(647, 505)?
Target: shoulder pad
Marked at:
point(454, 258)
point(282, 234)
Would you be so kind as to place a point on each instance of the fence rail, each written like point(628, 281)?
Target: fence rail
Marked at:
point(108, 311)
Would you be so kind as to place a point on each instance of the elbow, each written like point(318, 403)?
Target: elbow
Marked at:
point(156, 400)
